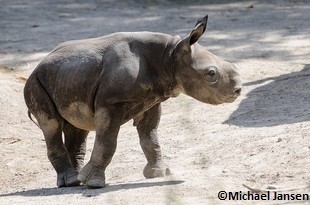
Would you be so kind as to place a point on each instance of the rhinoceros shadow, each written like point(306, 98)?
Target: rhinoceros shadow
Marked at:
point(86, 192)
point(279, 100)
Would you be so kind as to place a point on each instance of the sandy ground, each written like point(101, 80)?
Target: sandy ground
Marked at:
point(262, 140)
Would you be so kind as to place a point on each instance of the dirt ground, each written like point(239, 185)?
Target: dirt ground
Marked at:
point(262, 140)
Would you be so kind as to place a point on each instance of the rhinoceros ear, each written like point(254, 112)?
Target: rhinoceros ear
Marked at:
point(199, 29)
point(195, 34)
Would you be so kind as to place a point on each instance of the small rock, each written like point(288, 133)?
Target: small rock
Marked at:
point(224, 171)
point(271, 187)
point(279, 139)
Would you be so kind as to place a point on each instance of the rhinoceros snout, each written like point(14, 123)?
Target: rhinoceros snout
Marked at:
point(235, 94)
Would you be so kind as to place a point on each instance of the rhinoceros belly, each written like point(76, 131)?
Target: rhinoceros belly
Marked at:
point(79, 115)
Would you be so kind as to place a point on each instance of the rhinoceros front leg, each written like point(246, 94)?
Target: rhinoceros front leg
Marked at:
point(75, 143)
point(147, 124)
point(107, 123)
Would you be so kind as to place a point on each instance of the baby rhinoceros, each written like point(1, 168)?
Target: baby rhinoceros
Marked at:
point(101, 83)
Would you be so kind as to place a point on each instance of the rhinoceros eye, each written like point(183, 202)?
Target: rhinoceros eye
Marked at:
point(211, 74)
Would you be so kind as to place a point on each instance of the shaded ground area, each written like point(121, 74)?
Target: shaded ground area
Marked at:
point(262, 140)
point(291, 91)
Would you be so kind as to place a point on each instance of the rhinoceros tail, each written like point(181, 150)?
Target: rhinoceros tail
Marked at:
point(21, 78)
point(29, 115)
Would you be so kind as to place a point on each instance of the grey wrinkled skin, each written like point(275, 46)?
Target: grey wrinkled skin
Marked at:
point(101, 83)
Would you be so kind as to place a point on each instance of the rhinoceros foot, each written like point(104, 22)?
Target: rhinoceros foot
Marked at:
point(92, 176)
point(68, 178)
point(153, 171)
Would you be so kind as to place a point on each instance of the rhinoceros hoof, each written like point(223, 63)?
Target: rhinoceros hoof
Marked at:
point(93, 182)
point(156, 171)
point(68, 178)
point(92, 177)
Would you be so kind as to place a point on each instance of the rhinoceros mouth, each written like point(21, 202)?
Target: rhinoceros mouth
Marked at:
point(217, 99)
point(225, 99)
point(232, 98)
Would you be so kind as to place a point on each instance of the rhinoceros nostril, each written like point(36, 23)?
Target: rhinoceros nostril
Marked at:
point(238, 91)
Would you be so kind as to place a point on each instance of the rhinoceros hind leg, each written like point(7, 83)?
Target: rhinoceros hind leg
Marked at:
point(51, 124)
point(75, 143)
point(93, 176)
point(57, 153)
point(108, 121)
point(68, 178)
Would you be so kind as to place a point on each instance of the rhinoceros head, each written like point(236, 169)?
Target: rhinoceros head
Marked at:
point(201, 74)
